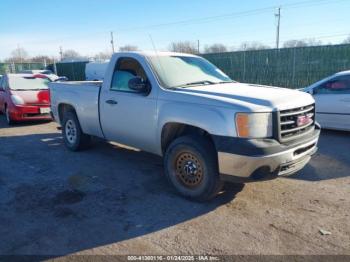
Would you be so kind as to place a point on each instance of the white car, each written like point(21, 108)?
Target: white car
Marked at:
point(95, 71)
point(332, 96)
point(48, 73)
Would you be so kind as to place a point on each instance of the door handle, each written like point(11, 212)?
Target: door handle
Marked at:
point(345, 100)
point(111, 102)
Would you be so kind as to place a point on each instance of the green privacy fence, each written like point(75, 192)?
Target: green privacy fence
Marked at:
point(287, 67)
point(75, 71)
point(17, 67)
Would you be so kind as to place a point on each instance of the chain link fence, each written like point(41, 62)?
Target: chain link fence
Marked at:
point(287, 67)
point(18, 67)
point(75, 71)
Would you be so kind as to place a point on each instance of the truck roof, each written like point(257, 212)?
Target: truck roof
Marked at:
point(155, 53)
point(343, 73)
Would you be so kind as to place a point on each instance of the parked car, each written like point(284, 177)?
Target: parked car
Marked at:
point(207, 127)
point(95, 71)
point(332, 96)
point(24, 97)
point(46, 72)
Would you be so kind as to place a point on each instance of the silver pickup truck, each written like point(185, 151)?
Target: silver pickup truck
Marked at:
point(207, 127)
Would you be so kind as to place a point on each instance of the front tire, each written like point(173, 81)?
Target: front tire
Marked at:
point(73, 136)
point(191, 167)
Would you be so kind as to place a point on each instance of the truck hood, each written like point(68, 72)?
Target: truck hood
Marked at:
point(253, 97)
point(33, 97)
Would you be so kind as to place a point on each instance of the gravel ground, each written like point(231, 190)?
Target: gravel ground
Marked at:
point(115, 200)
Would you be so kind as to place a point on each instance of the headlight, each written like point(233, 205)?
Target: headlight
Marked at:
point(254, 125)
point(17, 100)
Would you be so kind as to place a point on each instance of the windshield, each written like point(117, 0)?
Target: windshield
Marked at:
point(28, 83)
point(182, 71)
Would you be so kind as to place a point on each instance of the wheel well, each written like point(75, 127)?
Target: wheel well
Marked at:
point(63, 108)
point(172, 131)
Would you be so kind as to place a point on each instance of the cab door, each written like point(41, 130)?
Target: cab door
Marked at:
point(333, 103)
point(127, 116)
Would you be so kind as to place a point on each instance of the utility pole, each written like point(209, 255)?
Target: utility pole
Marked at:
point(198, 46)
point(61, 53)
point(54, 66)
point(112, 42)
point(19, 53)
point(278, 17)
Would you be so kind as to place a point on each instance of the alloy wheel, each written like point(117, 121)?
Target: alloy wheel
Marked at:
point(71, 131)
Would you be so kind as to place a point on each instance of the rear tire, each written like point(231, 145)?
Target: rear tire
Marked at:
point(73, 136)
point(191, 167)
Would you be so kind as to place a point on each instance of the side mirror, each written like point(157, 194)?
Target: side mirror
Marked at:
point(138, 85)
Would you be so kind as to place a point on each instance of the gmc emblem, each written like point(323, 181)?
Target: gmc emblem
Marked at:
point(304, 120)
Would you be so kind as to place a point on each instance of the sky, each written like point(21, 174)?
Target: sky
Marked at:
point(41, 27)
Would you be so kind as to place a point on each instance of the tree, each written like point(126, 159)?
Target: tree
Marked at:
point(71, 54)
point(347, 40)
point(103, 56)
point(302, 43)
point(250, 46)
point(215, 48)
point(128, 48)
point(18, 55)
point(41, 59)
point(183, 47)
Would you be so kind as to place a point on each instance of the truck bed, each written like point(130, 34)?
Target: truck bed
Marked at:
point(84, 97)
point(80, 83)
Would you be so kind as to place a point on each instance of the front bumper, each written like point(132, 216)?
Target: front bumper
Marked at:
point(29, 113)
point(265, 159)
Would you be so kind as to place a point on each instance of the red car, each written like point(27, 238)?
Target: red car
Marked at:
point(25, 97)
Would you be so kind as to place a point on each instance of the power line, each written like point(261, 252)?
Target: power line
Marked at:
point(204, 19)
point(208, 19)
point(233, 15)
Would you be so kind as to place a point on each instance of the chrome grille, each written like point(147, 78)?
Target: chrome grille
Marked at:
point(291, 123)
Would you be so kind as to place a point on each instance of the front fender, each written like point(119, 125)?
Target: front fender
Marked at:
point(214, 120)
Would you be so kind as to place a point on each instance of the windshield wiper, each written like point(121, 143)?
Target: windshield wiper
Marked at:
point(226, 82)
point(204, 82)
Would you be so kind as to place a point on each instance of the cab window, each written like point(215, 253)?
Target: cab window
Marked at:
point(338, 85)
point(125, 70)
